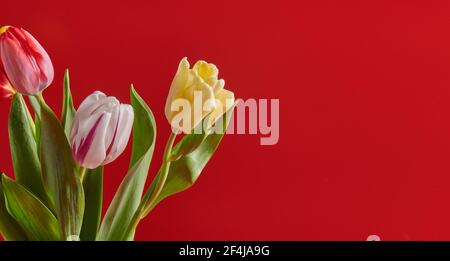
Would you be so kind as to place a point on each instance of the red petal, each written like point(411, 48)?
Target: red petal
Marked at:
point(20, 67)
point(6, 90)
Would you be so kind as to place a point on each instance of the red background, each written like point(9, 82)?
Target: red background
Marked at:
point(364, 93)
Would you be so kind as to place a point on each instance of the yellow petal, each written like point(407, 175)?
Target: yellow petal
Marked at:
point(224, 101)
point(218, 87)
point(208, 72)
point(205, 70)
point(179, 82)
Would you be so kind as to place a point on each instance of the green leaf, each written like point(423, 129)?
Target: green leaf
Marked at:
point(59, 174)
point(24, 152)
point(31, 214)
point(9, 228)
point(128, 195)
point(190, 142)
point(93, 190)
point(184, 172)
point(68, 110)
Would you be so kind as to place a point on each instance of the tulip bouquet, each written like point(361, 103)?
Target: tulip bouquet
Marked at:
point(59, 162)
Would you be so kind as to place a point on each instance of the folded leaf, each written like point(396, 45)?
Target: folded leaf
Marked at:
point(185, 171)
point(93, 190)
point(9, 228)
point(68, 110)
point(128, 195)
point(59, 174)
point(31, 214)
point(24, 152)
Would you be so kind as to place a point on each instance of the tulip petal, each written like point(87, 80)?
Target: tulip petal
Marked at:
point(101, 130)
point(178, 83)
point(6, 89)
point(42, 59)
point(22, 71)
point(225, 99)
point(89, 107)
point(91, 101)
point(112, 130)
point(89, 144)
point(207, 95)
point(218, 87)
point(122, 133)
point(208, 72)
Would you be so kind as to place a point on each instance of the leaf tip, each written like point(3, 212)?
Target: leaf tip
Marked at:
point(132, 90)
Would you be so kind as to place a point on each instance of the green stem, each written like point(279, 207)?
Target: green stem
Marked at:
point(41, 100)
point(82, 173)
point(151, 196)
point(39, 97)
point(31, 122)
point(151, 199)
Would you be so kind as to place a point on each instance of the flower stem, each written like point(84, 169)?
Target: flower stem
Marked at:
point(31, 122)
point(40, 98)
point(151, 196)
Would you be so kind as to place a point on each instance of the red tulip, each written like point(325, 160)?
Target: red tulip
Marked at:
point(27, 65)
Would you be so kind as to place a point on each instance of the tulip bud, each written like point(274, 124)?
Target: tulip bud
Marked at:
point(6, 90)
point(191, 86)
point(26, 64)
point(101, 130)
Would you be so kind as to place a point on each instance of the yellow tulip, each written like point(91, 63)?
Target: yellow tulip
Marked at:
point(194, 94)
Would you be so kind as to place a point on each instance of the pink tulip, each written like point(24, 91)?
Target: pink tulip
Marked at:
point(101, 130)
point(6, 90)
point(26, 63)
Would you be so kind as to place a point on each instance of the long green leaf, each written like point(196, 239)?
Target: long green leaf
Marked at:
point(31, 214)
point(128, 195)
point(68, 110)
point(184, 172)
point(59, 173)
point(9, 228)
point(93, 190)
point(24, 151)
